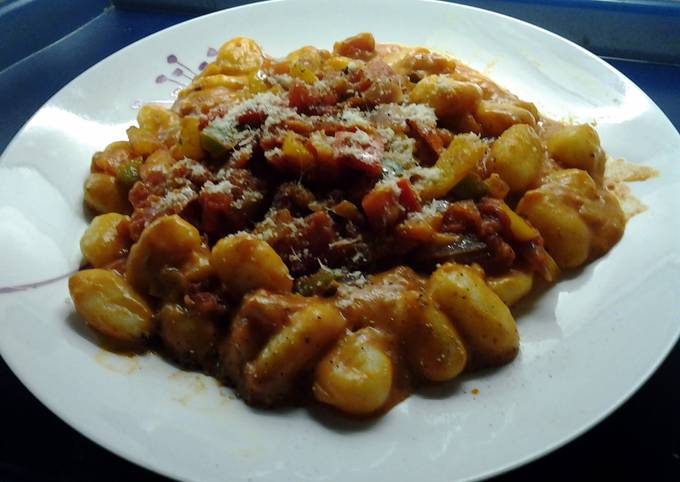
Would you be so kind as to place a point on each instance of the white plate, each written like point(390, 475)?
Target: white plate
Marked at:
point(587, 343)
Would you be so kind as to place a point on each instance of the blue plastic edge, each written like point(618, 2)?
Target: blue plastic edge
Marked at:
point(26, 26)
point(631, 29)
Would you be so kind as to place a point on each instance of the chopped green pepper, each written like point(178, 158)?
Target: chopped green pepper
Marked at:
point(324, 282)
point(128, 172)
point(218, 141)
point(470, 187)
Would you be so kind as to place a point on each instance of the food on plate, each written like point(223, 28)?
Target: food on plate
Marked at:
point(340, 225)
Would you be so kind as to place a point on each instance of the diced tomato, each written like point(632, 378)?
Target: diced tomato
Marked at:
point(363, 78)
point(224, 212)
point(252, 118)
point(463, 216)
point(374, 84)
point(358, 150)
point(310, 98)
point(214, 207)
point(538, 259)
point(502, 254)
point(382, 208)
point(299, 96)
point(325, 96)
point(138, 194)
point(366, 162)
point(360, 46)
point(430, 135)
point(358, 80)
point(408, 196)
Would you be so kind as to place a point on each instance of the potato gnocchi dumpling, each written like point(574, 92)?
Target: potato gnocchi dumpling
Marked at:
point(518, 156)
point(245, 263)
point(104, 194)
point(485, 322)
point(356, 375)
point(578, 146)
point(106, 239)
point(434, 347)
point(578, 219)
point(109, 305)
point(336, 226)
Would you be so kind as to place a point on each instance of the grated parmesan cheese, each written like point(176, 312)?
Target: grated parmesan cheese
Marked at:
point(428, 211)
point(273, 106)
point(361, 137)
point(195, 169)
point(222, 187)
point(420, 113)
point(400, 151)
point(425, 173)
point(389, 184)
point(176, 200)
point(351, 117)
point(249, 197)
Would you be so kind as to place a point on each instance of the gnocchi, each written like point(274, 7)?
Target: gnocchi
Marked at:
point(495, 117)
point(356, 375)
point(109, 305)
point(512, 286)
point(483, 319)
point(167, 244)
point(448, 97)
point(103, 194)
point(578, 146)
point(434, 347)
point(106, 239)
point(339, 225)
point(517, 157)
point(189, 337)
point(577, 219)
point(308, 333)
point(245, 263)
